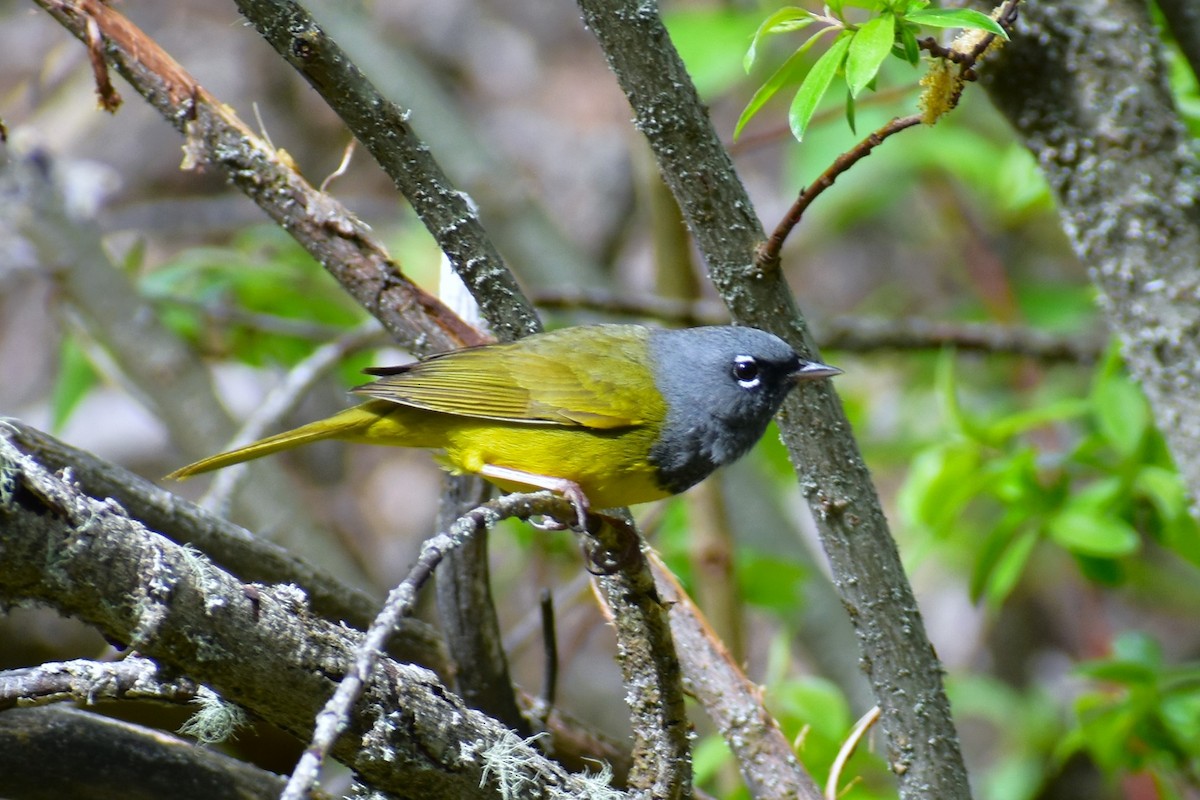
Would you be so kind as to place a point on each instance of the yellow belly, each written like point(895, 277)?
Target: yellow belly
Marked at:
point(609, 465)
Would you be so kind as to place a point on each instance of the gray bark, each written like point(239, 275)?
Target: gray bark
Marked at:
point(1084, 86)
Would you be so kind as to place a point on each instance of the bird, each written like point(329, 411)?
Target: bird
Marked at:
point(606, 415)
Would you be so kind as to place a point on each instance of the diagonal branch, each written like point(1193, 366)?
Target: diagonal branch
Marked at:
point(257, 646)
point(234, 549)
point(905, 673)
point(384, 128)
point(217, 139)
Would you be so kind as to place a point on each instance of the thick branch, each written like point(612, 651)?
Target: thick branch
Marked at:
point(257, 646)
point(1087, 92)
point(904, 671)
point(646, 654)
point(235, 549)
point(52, 753)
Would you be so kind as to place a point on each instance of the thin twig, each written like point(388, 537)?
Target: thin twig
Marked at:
point(549, 649)
point(853, 333)
point(847, 749)
point(332, 718)
point(767, 257)
point(86, 681)
point(343, 165)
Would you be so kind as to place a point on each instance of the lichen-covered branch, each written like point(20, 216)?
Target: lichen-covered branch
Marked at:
point(257, 646)
point(233, 548)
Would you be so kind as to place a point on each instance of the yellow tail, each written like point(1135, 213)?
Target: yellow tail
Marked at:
point(347, 425)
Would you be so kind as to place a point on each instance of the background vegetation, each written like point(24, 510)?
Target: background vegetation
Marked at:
point(1049, 538)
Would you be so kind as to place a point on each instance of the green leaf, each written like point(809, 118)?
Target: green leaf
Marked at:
point(995, 578)
point(869, 46)
point(850, 113)
point(816, 83)
point(770, 582)
point(956, 18)
point(785, 19)
point(1121, 412)
point(941, 482)
point(1164, 488)
point(1012, 425)
point(1115, 671)
point(1091, 533)
point(75, 379)
point(710, 755)
point(1138, 647)
point(912, 49)
point(789, 72)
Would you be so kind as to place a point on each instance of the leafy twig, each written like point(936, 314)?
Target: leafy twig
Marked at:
point(939, 98)
point(767, 257)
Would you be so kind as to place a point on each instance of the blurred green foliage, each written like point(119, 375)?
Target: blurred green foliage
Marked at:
point(1017, 482)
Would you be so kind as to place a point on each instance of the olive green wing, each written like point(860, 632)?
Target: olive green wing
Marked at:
point(594, 377)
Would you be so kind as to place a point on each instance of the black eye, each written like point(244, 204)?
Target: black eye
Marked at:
point(745, 369)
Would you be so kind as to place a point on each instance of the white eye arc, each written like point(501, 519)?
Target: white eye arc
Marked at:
point(745, 371)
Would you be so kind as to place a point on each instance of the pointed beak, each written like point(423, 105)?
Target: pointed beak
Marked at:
point(810, 370)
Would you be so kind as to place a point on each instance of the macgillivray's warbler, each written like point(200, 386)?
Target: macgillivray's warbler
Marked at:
point(607, 415)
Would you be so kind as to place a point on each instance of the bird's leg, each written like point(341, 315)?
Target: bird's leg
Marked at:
point(567, 488)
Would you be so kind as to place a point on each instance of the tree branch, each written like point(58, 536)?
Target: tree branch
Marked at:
point(383, 127)
point(1087, 93)
point(904, 671)
point(51, 753)
point(85, 681)
point(256, 646)
point(235, 549)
